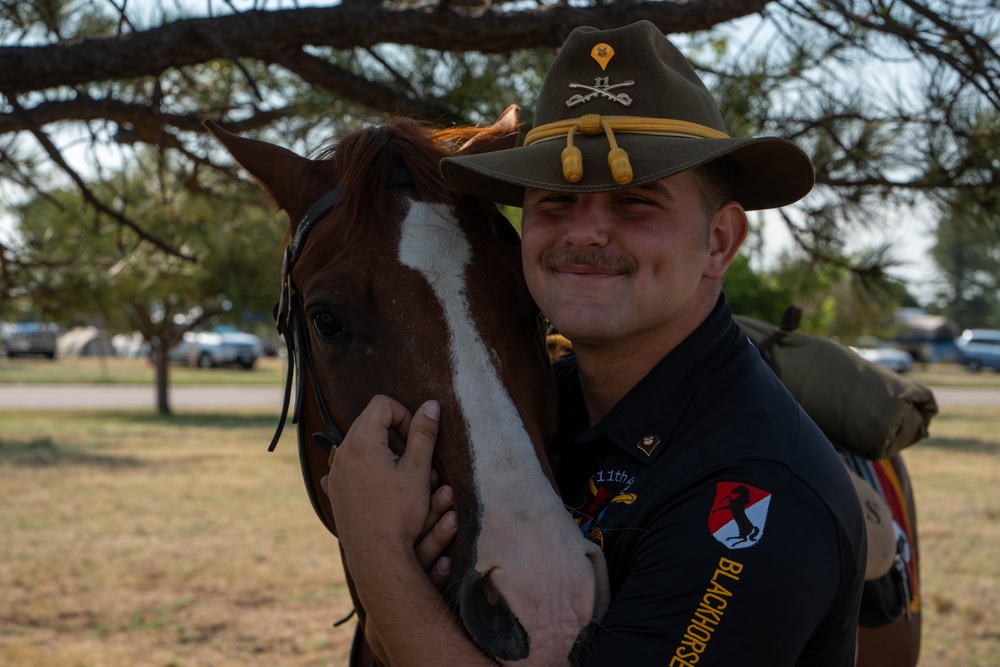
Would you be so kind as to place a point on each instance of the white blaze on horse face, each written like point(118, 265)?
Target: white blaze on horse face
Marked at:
point(528, 544)
point(433, 244)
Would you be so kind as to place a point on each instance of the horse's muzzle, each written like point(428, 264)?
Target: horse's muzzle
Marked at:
point(533, 606)
point(489, 620)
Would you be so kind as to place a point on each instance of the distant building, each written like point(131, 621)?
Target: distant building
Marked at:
point(926, 337)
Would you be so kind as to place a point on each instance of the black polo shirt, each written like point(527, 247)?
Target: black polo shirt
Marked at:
point(732, 532)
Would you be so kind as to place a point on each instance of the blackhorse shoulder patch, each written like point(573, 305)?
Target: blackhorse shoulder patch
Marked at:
point(738, 514)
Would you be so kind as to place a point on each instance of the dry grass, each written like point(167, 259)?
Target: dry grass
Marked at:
point(953, 375)
point(130, 540)
point(956, 476)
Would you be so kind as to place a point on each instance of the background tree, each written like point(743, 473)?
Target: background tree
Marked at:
point(883, 94)
point(968, 253)
point(841, 298)
point(89, 269)
point(967, 248)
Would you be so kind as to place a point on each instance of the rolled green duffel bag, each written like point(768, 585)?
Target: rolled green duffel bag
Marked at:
point(860, 406)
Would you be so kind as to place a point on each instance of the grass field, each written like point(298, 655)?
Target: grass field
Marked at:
point(130, 540)
point(956, 477)
point(134, 540)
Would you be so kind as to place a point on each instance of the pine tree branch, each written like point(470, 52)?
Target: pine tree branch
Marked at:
point(257, 34)
point(85, 191)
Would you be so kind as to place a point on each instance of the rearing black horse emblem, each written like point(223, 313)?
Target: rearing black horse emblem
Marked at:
point(738, 514)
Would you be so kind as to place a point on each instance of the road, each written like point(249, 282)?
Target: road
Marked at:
point(115, 397)
point(952, 396)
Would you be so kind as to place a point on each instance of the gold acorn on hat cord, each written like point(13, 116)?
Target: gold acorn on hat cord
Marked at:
point(572, 158)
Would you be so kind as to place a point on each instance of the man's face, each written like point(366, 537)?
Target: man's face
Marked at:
point(619, 266)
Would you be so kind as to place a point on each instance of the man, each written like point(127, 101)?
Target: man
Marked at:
point(731, 530)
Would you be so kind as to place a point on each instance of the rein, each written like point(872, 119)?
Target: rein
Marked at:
point(289, 318)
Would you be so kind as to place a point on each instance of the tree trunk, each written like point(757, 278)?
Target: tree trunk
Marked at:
point(162, 379)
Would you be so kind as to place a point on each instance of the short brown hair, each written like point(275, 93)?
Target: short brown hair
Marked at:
point(715, 181)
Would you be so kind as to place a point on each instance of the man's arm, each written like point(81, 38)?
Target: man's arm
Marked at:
point(380, 502)
point(689, 598)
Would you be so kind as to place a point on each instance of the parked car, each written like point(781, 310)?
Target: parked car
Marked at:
point(979, 348)
point(208, 349)
point(883, 354)
point(29, 338)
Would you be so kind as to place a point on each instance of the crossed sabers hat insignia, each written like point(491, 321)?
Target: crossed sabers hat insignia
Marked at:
point(601, 88)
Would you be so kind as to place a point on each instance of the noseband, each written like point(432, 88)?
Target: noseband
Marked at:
point(289, 318)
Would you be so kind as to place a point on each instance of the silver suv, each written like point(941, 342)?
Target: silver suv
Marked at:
point(207, 349)
point(979, 348)
point(28, 338)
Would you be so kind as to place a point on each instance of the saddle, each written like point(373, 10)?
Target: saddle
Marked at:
point(878, 522)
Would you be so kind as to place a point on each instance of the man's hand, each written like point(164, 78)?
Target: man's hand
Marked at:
point(393, 529)
point(439, 531)
point(382, 501)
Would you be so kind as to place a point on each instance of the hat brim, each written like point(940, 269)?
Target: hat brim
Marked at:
point(770, 171)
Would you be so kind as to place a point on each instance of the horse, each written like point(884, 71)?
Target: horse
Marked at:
point(393, 284)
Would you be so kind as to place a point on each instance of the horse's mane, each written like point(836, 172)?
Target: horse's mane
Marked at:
point(362, 161)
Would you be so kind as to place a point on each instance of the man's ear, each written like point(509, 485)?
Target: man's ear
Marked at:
point(727, 232)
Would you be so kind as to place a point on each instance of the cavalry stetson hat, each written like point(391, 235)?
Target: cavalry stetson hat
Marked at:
point(621, 108)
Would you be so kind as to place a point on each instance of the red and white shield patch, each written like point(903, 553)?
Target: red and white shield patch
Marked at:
point(738, 514)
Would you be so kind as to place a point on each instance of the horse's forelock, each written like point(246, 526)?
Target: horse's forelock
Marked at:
point(362, 161)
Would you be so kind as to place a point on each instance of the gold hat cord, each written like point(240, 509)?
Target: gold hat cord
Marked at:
point(591, 124)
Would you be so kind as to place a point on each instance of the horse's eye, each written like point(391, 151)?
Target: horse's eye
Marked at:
point(330, 329)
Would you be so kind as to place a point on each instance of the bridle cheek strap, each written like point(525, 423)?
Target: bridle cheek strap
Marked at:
point(289, 319)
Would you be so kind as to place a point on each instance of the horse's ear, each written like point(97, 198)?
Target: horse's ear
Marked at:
point(497, 137)
point(293, 182)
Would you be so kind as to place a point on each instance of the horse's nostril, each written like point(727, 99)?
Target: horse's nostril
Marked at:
point(489, 621)
point(489, 591)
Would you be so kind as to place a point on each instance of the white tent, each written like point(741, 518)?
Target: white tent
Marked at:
point(84, 342)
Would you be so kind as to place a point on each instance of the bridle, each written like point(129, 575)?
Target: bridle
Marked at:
point(289, 318)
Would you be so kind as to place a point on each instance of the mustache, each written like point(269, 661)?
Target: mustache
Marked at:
point(563, 256)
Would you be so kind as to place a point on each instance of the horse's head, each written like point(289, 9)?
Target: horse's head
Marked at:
point(395, 285)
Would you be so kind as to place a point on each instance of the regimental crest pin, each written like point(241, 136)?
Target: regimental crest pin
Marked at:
point(738, 514)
